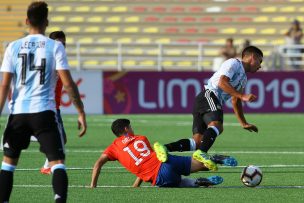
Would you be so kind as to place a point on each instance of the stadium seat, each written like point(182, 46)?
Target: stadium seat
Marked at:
point(91, 63)
point(172, 30)
point(173, 52)
point(191, 30)
point(53, 28)
point(167, 63)
point(144, 40)
point(140, 9)
point(151, 19)
point(163, 40)
point(230, 30)
point(169, 19)
point(131, 29)
point(159, 9)
point(92, 29)
point(248, 31)
point(95, 19)
point(211, 52)
point(112, 29)
point(178, 9)
point(250, 9)
point(120, 9)
point(109, 63)
point(73, 29)
point(151, 30)
point(136, 51)
point(153, 52)
point(63, 8)
point(243, 19)
point(259, 41)
point(270, 9)
point(82, 9)
point(210, 30)
point(131, 19)
point(129, 63)
point(184, 63)
point(191, 52)
point(58, 19)
point(280, 19)
point(124, 40)
point(101, 9)
point(147, 63)
point(113, 19)
point(86, 40)
point(206, 19)
point(261, 19)
point(105, 40)
point(196, 9)
point(214, 9)
point(224, 19)
point(188, 19)
point(76, 19)
point(288, 9)
point(268, 31)
point(232, 9)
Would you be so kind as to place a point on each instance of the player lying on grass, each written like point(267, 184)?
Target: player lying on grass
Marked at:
point(134, 152)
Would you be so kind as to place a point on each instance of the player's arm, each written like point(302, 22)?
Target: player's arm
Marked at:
point(137, 182)
point(74, 95)
point(238, 110)
point(96, 169)
point(5, 88)
point(226, 87)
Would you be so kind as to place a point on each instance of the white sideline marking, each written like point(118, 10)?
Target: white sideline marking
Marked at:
point(211, 152)
point(128, 186)
point(120, 167)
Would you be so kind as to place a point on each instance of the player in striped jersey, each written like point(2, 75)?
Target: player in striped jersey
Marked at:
point(31, 64)
point(226, 83)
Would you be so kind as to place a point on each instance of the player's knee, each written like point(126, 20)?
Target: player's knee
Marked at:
point(217, 126)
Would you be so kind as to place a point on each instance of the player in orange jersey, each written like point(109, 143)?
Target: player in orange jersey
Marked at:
point(135, 153)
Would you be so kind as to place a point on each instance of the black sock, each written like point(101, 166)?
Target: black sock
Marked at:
point(6, 185)
point(208, 139)
point(60, 185)
point(179, 146)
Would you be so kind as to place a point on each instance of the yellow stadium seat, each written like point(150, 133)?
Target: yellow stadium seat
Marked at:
point(124, 40)
point(301, 9)
point(163, 40)
point(301, 18)
point(73, 29)
point(92, 29)
point(184, 63)
point(73, 63)
point(131, 19)
point(192, 52)
point(228, 30)
point(57, 19)
point(82, 9)
point(153, 52)
point(120, 9)
point(211, 52)
point(167, 63)
point(101, 9)
point(95, 19)
point(53, 28)
point(76, 19)
point(51, 8)
point(248, 31)
point(69, 40)
point(206, 64)
point(105, 40)
point(91, 63)
point(137, 51)
point(86, 40)
point(131, 29)
point(283, 31)
point(109, 63)
point(268, 31)
point(175, 52)
point(219, 41)
point(296, 0)
point(277, 42)
point(269, 9)
point(147, 63)
point(280, 19)
point(144, 40)
point(64, 8)
point(129, 63)
point(113, 19)
point(288, 9)
point(259, 41)
point(111, 29)
point(151, 30)
point(261, 19)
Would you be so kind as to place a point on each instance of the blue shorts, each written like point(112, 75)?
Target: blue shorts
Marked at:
point(170, 172)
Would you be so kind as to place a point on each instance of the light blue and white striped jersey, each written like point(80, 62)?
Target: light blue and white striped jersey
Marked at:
point(233, 69)
point(33, 60)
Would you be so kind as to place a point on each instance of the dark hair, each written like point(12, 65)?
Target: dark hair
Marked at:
point(37, 13)
point(250, 50)
point(57, 35)
point(119, 125)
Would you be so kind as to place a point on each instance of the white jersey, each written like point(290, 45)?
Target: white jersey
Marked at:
point(233, 69)
point(33, 61)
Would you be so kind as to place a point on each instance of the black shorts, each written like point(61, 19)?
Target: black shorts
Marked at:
point(43, 125)
point(206, 108)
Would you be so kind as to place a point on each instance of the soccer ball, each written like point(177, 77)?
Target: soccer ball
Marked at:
point(251, 176)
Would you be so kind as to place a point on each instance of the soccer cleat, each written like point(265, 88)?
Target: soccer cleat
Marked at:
point(161, 152)
point(45, 171)
point(224, 160)
point(204, 158)
point(210, 181)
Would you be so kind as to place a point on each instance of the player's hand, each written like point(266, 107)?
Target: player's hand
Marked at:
point(248, 97)
point(82, 124)
point(250, 127)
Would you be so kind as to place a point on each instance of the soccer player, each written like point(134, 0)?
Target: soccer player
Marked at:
point(58, 36)
point(136, 155)
point(31, 64)
point(228, 82)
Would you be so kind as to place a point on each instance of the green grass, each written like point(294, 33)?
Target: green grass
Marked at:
point(278, 148)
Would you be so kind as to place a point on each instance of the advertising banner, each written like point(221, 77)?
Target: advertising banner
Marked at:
point(174, 92)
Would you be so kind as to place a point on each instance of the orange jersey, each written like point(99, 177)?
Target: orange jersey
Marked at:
point(134, 152)
point(58, 91)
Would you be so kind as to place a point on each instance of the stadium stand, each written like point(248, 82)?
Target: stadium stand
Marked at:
point(146, 25)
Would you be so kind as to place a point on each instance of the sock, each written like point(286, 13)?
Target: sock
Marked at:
point(209, 137)
point(60, 183)
point(179, 146)
point(6, 181)
point(188, 182)
point(46, 164)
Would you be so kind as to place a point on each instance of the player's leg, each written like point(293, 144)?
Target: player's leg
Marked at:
point(15, 138)
point(52, 145)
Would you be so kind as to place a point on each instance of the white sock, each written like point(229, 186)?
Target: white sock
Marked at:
point(46, 164)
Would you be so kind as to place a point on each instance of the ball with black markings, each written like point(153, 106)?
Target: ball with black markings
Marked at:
point(251, 176)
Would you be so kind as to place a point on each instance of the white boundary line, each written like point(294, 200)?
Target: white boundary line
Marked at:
point(120, 167)
point(128, 186)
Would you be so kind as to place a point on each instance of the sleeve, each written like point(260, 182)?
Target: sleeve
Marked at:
point(111, 153)
point(7, 65)
point(61, 57)
point(228, 68)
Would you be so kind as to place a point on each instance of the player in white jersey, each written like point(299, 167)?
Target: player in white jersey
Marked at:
point(31, 64)
point(228, 82)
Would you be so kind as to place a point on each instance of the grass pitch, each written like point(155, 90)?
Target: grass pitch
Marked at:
point(278, 149)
